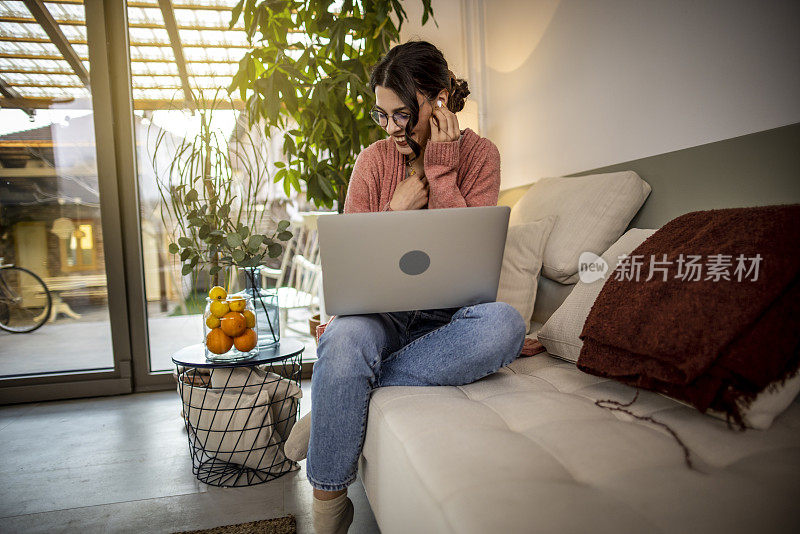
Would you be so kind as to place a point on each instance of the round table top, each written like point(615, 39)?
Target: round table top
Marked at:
point(195, 355)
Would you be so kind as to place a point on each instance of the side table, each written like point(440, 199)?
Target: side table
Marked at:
point(239, 414)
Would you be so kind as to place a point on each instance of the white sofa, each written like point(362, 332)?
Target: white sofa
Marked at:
point(526, 449)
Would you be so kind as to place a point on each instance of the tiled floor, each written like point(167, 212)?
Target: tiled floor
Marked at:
point(121, 464)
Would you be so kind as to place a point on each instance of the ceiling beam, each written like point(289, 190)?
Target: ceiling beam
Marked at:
point(138, 103)
point(56, 85)
point(133, 3)
point(182, 5)
point(142, 86)
point(53, 31)
point(150, 25)
point(137, 59)
point(42, 40)
point(67, 72)
point(177, 49)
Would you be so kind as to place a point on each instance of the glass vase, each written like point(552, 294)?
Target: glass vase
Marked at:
point(265, 302)
point(230, 327)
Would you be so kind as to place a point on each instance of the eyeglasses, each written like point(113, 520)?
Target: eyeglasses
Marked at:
point(399, 118)
point(380, 118)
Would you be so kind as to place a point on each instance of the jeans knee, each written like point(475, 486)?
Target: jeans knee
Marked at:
point(507, 317)
point(344, 354)
point(510, 323)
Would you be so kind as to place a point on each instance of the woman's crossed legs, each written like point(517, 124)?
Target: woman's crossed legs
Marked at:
point(358, 353)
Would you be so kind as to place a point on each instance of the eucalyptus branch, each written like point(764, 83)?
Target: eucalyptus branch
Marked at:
point(210, 215)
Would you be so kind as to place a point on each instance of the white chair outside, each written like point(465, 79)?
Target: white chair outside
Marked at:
point(298, 278)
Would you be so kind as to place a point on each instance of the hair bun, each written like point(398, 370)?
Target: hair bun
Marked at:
point(459, 90)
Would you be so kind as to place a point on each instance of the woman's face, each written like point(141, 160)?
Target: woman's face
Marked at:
point(387, 101)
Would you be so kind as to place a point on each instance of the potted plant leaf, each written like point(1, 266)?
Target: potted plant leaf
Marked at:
point(307, 76)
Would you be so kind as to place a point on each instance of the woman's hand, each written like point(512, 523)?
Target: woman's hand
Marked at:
point(410, 194)
point(444, 124)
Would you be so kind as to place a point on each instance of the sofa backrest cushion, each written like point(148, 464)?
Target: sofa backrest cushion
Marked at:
point(522, 262)
point(592, 212)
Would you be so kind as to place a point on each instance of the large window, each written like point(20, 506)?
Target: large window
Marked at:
point(50, 213)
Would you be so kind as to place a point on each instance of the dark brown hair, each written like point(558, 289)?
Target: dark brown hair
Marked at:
point(418, 66)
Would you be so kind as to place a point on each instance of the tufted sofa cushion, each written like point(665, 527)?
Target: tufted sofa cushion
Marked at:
point(527, 450)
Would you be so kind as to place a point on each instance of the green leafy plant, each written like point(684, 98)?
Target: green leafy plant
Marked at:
point(308, 76)
point(214, 216)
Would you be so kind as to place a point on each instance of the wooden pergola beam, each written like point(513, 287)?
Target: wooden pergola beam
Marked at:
point(43, 40)
point(145, 87)
point(184, 5)
point(137, 59)
point(138, 103)
point(177, 49)
point(147, 25)
point(67, 72)
point(10, 93)
point(43, 17)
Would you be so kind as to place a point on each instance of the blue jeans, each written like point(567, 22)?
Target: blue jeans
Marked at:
point(357, 353)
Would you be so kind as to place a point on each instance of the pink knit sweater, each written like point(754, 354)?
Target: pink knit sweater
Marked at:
point(460, 174)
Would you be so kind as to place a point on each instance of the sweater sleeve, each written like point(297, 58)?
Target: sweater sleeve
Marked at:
point(358, 189)
point(321, 327)
point(481, 187)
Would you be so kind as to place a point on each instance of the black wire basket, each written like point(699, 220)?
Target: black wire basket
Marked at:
point(238, 418)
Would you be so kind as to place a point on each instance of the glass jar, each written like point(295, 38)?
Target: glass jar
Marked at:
point(230, 327)
point(265, 302)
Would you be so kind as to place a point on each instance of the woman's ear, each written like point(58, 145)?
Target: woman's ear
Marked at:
point(443, 96)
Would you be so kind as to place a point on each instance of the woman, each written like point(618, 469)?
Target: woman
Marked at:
point(426, 162)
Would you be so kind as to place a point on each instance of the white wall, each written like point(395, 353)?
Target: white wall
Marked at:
point(448, 37)
point(578, 84)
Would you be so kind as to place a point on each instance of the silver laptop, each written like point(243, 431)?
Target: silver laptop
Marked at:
point(411, 260)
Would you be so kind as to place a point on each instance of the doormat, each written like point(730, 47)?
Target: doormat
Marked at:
point(279, 525)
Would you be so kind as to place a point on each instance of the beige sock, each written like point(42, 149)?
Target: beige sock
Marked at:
point(296, 446)
point(333, 516)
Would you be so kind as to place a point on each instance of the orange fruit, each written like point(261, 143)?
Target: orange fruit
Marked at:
point(233, 324)
point(217, 293)
point(249, 318)
point(218, 342)
point(247, 341)
point(237, 304)
point(219, 308)
point(212, 321)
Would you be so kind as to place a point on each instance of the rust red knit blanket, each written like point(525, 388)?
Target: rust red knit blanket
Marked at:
point(715, 335)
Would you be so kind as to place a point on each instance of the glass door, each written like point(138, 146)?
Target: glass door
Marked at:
point(63, 301)
point(182, 57)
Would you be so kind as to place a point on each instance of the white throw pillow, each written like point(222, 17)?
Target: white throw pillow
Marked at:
point(593, 212)
point(560, 333)
point(522, 262)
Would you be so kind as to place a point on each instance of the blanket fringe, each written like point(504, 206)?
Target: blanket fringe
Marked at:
point(617, 406)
